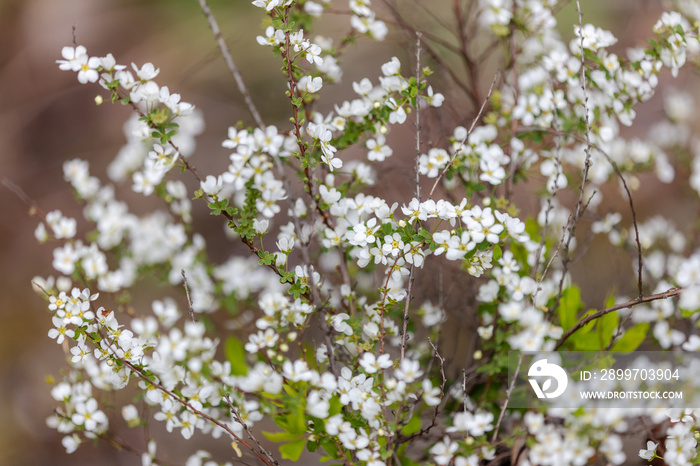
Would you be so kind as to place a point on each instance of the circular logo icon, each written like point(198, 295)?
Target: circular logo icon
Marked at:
point(547, 371)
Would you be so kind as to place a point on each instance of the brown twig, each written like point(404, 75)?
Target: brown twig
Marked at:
point(230, 63)
point(249, 432)
point(187, 292)
point(591, 317)
point(640, 263)
point(436, 412)
point(411, 31)
point(556, 132)
point(507, 400)
point(575, 217)
point(181, 400)
point(471, 128)
point(228, 58)
point(550, 206)
point(34, 208)
point(416, 169)
point(464, 50)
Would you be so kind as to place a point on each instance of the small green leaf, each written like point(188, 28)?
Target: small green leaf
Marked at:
point(311, 446)
point(632, 338)
point(292, 450)
point(412, 427)
point(280, 436)
point(497, 253)
point(236, 355)
point(336, 406)
point(330, 447)
point(296, 420)
point(569, 305)
point(606, 327)
point(289, 390)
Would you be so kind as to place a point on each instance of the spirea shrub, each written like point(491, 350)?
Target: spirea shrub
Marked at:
point(308, 340)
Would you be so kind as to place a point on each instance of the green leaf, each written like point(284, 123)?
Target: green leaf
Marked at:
point(311, 446)
point(218, 206)
point(497, 253)
point(236, 355)
point(310, 357)
point(292, 450)
point(569, 305)
point(610, 301)
point(280, 436)
point(336, 406)
point(330, 447)
point(409, 462)
point(589, 326)
point(584, 339)
point(632, 338)
point(606, 327)
point(412, 427)
point(294, 421)
point(289, 390)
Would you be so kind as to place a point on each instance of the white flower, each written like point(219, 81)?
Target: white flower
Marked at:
point(408, 370)
point(212, 185)
point(443, 452)
point(312, 85)
point(188, 423)
point(392, 67)
point(71, 443)
point(323, 135)
point(87, 415)
point(339, 324)
point(372, 364)
point(650, 451)
point(131, 415)
point(431, 394)
point(260, 226)
point(296, 371)
point(317, 406)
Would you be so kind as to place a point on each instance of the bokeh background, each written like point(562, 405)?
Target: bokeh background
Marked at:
point(46, 117)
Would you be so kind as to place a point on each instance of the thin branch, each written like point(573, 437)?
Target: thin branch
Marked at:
point(409, 30)
point(23, 196)
point(471, 128)
point(180, 399)
point(556, 132)
point(436, 412)
point(428, 10)
point(189, 300)
point(463, 42)
point(416, 169)
point(550, 206)
point(578, 213)
point(249, 432)
point(228, 58)
point(640, 263)
point(230, 63)
point(507, 400)
point(596, 315)
point(441, 361)
point(618, 331)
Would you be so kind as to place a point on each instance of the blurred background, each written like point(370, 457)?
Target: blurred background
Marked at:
point(47, 117)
